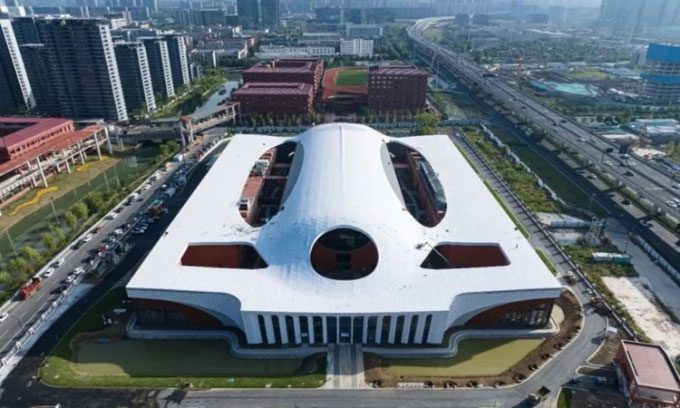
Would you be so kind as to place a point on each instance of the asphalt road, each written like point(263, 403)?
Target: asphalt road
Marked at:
point(652, 182)
point(20, 388)
point(22, 313)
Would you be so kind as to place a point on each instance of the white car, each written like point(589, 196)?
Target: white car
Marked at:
point(3, 317)
point(87, 237)
point(78, 271)
point(111, 215)
point(676, 185)
point(59, 262)
point(48, 272)
point(118, 231)
point(607, 163)
point(70, 279)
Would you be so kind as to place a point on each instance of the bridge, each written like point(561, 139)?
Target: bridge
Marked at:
point(183, 129)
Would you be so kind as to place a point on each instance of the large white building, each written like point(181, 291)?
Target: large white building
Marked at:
point(357, 47)
point(342, 234)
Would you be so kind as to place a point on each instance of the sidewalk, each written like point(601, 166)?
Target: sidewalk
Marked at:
point(656, 278)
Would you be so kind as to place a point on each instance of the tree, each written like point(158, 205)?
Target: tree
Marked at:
point(6, 279)
point(30, 254)
point(71, 220)
point(427, 123)
point(94, 202)
point(80, 210)
point(49, 242)
point(57, 232)
point(17, 267)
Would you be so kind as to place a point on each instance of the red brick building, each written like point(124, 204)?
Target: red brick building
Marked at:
point(647, 375)
point(396, 87)
point(296, 70)
point(275, 98)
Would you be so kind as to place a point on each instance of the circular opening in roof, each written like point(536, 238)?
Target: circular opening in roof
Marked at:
point(344, 254)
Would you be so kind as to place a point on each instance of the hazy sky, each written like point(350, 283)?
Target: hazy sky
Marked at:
point(573, 3)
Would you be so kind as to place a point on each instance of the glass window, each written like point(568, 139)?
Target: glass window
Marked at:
point(385, 332)
point(412, 330)
point(332, 328)
point(304, 329)
point(290, 329)
point(277, 329)
point(399, 329)
point(317, 321)
point(358, 330)
point(426, 331)
point(372, 328)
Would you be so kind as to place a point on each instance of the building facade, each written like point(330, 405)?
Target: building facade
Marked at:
point(270, 11)
point(283, 51)
point(327, 222)
point(179, 61)
point(82, 69)
point(248, 13)
point(661, 74)
point(25, 31)
point(357, 47)
point(40, 77)
point(159, 65)
point(135, 76)
point(275, 98)
point(647, 376)
point(397, 88)
point(363, 30)
point(15, 89)
point(305, 70)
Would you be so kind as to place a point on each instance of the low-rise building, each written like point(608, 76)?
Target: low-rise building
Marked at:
point(305, 70)
point(275, 98)
point(657, 130)
point(647, 375)
point(281, 51)
point(396, 87)
point(357, 47)
point(363, 30)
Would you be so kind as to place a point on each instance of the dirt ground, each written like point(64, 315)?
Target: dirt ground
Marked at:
point(377, 371)
point(605, 354)
point(592, 399)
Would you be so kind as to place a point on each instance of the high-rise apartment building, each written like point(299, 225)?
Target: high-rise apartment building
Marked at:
point(135, 76)
point(270, 13)
point(15, 89)
point(82, 68)
point(248, 13)
point(159, 66)
point(40, 78)
point(179, 64)
point(24, 30)
point(661, 74)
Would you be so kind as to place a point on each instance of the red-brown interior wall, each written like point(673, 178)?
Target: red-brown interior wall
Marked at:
point(196, 316)
point(491, 316)
point(218, 256)
point(467, 256)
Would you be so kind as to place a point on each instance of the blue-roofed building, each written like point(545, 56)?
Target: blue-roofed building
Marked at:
point(661, 74)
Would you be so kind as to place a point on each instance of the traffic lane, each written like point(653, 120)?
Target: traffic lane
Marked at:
point(23, 312)
point(15, 391)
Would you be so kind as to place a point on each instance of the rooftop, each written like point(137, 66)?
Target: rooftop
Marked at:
point(17, 130)
point(396, 70)
point(274, 88)
point(285, 65)
point(651, 366)
point(342, 176)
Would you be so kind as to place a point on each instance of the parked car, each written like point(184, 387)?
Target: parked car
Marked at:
point(79, 270)
point(3, 316)
point(59, 262)
point(87, 237)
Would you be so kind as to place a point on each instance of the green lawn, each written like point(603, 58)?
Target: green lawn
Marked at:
point(354, 77)
point(564, 399)
point(562, 186)
point(475, 357)
point(165, 363)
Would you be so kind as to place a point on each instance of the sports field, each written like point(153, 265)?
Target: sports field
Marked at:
point(354, 77)
point(476, 357)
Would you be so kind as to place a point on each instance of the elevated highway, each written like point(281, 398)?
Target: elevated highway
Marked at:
point(645, 178)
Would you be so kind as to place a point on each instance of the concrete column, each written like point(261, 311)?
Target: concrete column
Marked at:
point(252, 329)
point(420, 329)
point(283, 329)
point(298, 332)
point(108, 139)
point(407, 329)
point(269, 328)
point(81, 153)
point(378, 330)
point(310, 325)
point(393, 329)
point(325, 329)
point(364, 332)
point(96, 144)
point(68, 168)
point(437, 329)
point(42, 173)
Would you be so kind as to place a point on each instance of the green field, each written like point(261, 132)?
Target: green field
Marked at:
point(475, 357)
point(165, 363)
point(354, 77)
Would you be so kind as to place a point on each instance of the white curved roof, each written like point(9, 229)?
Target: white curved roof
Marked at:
point(342, 182)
